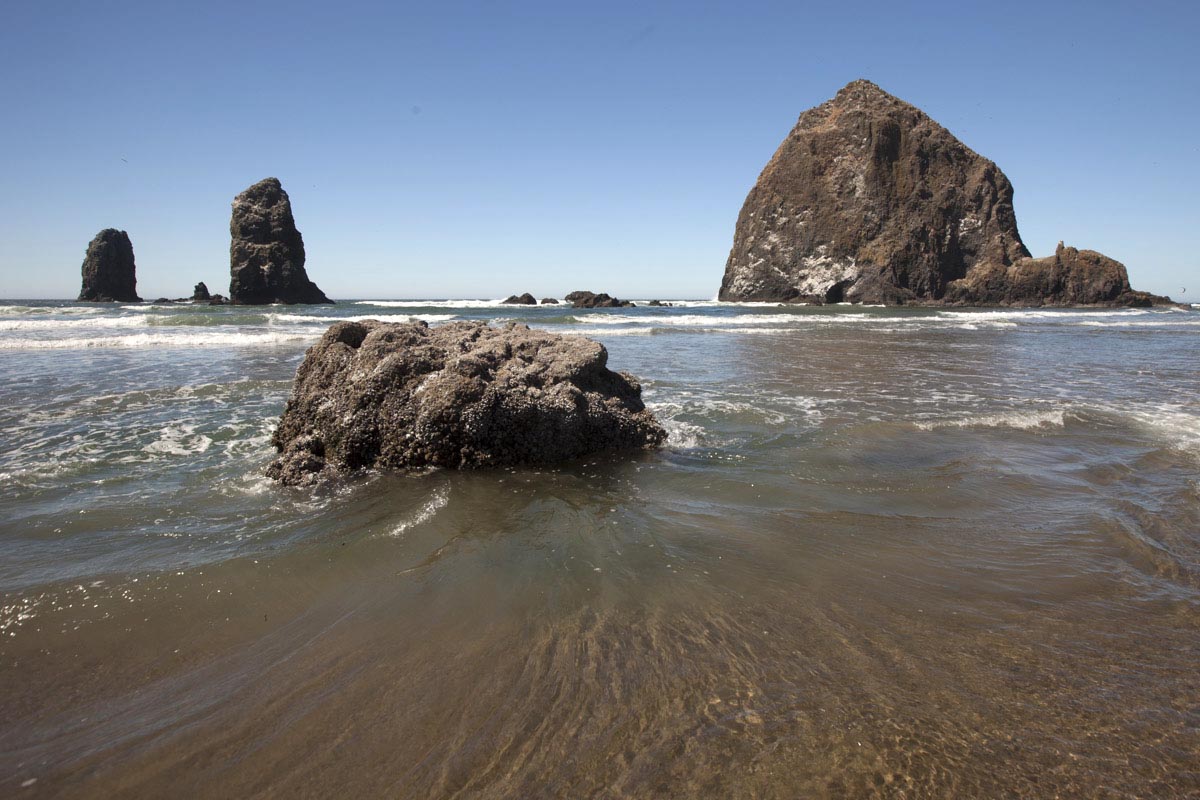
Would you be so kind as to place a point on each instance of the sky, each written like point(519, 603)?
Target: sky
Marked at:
point(456, 149)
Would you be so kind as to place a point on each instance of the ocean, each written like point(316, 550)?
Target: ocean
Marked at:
point(885, 552)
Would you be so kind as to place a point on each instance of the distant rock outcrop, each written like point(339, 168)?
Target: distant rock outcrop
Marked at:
point(520, 300)
point(869, 200)
point(391, 396)
point(109, 273)
point(549, 301)
point(266, 254)
point(200, 293)
point(591, 300)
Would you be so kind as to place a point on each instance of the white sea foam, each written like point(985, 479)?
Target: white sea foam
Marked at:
point(277, 319)
point(441, 496)
point(178, 440)
point(435, 303)
point(204, 338)
point(70, 324)
point(1022, 420)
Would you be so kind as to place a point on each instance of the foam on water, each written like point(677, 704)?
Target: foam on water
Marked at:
point(438, 501)
point(209, 338)
point(179, 440)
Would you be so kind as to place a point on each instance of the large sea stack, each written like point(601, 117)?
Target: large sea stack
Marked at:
point(390, 396)
point(869, 200)
point(109, 274)
point(266, 254)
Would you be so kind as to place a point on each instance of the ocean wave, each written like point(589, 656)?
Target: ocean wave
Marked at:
point(436, 303)
point(1174, 425)
point(18, 309)
point(276, 319)
point(69, 324)
point(208, 338)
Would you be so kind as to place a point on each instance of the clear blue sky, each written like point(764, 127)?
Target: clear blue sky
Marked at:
point(478, 149)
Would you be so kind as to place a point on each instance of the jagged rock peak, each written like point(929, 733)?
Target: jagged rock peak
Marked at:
point(109, 272)
point(266, 251)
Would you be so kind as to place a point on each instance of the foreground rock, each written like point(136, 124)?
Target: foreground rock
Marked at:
point(266, 252)
point(869, 200)
point(520, 300)
point(392, 396)
point(592, 300)
point(109, 272)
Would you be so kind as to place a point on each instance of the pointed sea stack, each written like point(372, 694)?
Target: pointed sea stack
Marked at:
point(869, 200)
point(266, 254)
point(109, 274)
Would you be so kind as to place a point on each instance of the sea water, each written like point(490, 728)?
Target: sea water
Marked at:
point(885, 551)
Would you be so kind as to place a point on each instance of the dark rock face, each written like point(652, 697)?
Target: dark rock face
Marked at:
point(392, 396)
point(218, 300)
point(592, 300)
point(521, 300)
point(869, 200)
point(266, 254)
point(109, 274)
point(200, 293)
point(549, 301)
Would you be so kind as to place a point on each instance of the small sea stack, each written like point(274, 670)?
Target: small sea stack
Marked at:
point(583, 299)
point(520, 300)
point(200, 293)
point(375, 395)
point(109, 272)
point(266, 251)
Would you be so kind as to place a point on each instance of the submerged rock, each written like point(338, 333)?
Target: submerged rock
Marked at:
point(869, 200)
point(109, 272)
point(266, 252)
point(392, 396)
point(520, 300)
point(200, 293)
point(583, 299)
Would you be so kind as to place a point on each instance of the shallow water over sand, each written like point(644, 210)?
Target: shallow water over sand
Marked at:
point(886, 553)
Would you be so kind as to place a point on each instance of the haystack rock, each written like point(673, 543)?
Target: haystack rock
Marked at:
point(266, 254)
point(109, 274)
point(391, 396)
point(869, 200)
